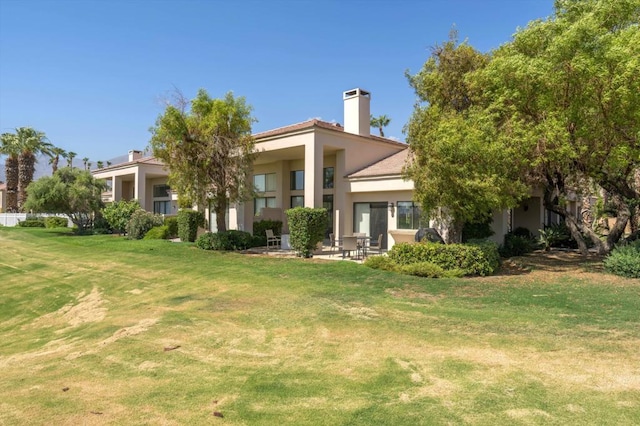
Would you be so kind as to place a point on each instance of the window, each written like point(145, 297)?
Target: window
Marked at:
point(297, 180)
point(265, 182)
point(327, 181)
point(409, 215)
point(297, 201)
point(161, 191)
point(162, 207)
point(262, 202)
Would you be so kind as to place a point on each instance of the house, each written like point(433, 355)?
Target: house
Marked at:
point(355, 175)
point(3, 197)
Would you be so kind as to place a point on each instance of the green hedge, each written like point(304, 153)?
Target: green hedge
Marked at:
point(32, 223)
point(118, 214)
point(157, 233)
point(624, 261)
point(141, 222)
point(172, 226)
point(517, 244)
point(306, 228)
point(471, 259)
point(56, 222)
point(188, 223)
point(228, 240)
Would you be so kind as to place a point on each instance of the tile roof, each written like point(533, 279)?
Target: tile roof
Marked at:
point(314, 122)
point(391, 165)
point(144, 160)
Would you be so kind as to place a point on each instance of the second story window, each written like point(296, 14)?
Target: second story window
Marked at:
point(161, 191)
point(327, 181)
point(297, 180)
point(265, 182)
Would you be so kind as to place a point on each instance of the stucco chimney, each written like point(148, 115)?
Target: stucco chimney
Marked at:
point(357, 112)
point(134, 155)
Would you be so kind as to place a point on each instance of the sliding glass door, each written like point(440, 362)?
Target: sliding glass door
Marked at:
point(371, 218)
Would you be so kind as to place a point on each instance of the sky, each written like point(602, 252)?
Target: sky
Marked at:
point(95, 74)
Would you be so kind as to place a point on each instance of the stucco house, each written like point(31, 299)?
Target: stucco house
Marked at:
point(355, 175)
point(3, 196)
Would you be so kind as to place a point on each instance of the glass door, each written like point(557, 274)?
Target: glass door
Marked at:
point(371, 218)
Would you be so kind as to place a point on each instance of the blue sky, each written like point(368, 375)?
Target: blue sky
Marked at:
point(93, 74)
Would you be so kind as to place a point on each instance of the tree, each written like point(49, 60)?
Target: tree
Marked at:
point(9, 147)
point(85, 161)
point(99, 164)
point(380, 123)
point(208, 148)
point(460, 165)
point(56, 153)
point(72, 192)
point(568, 87)
point(70, 156)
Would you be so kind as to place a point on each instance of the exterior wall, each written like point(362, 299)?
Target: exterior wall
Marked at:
point(530, 215)
point(3, 198)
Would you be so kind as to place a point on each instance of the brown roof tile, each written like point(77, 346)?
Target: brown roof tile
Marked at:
point(391, 165)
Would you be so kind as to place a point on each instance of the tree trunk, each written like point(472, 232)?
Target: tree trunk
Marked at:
point(26, 170)
point(11, 174)
point(221, 212)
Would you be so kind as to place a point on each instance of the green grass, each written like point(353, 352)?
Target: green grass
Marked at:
point(152, 332)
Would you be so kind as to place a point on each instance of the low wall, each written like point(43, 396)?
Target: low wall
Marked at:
point(12, 219)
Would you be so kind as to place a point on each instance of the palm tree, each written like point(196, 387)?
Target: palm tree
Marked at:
point(9, 147)
point(108, 163)
point(99, 164)
point(56, 153)
point(380, 122)
point(70, 156)
point(30, 142)
point(89, 164)
point(85, 160)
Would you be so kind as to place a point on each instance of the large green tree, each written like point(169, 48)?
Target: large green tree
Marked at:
point(10, 148)
point(32, 143)
point(460, 165)
point(208, 147)
point(569, 86)
point(72, 192)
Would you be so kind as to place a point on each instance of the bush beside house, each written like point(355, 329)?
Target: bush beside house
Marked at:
point(188, 223)
point(306, 228)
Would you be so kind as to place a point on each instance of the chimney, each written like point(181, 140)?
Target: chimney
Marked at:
point(357, 115)
point(134, 155)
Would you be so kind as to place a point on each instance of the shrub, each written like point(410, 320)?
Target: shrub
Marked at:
point(521, 231)
point(381, 262)
point(228, 240)
point(101, 225)
point(141, 222)
point(118, 214)
point(157, 233)
point(423, 269)
point(32, 223)
point(477, 230)
point(261, 226)
point(188, 223)
point(624, 261)
point(306, 227)
point(172, 226)
point(56, 222)
point(472, 259)
point(517, 245)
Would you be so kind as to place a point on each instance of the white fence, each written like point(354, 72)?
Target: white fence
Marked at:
point(12, 219)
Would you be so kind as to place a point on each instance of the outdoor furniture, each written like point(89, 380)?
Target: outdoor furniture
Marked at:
point(333, 243)
point(272, 239)
point(377, 246)
point(349, 244)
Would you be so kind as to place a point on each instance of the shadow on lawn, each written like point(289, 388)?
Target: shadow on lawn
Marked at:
point(551, 261)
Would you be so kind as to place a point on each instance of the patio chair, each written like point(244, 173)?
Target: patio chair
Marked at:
point(272, 239)
point(376, 246)
point(349, 244)
point(333, 243)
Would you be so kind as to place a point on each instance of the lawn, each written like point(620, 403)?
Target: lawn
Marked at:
point(102, 330)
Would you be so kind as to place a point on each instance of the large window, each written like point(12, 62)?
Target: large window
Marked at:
point(297, 201)
point(161, 191)
point(262, 202)
point(409, 215)
point(265, 182)
point(297, 180)
point(162, 207)
point(327, 174)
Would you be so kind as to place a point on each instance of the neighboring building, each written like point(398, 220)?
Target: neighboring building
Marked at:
point(356, 176)
point(141, 178)
point(3, 197)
